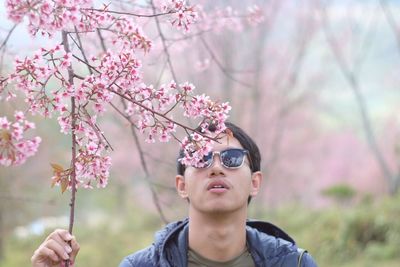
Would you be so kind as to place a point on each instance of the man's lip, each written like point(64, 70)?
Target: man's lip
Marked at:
point(212, 185)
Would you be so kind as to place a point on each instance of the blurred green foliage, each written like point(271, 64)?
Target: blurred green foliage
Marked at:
point(340, 192)
point(367, 234)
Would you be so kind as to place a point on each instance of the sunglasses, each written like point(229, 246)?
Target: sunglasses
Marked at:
point(231, 158)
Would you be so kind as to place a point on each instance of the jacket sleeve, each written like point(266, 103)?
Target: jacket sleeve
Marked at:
point(135, 262)
point(125, 263)
point(141, 258)
point(307, 261)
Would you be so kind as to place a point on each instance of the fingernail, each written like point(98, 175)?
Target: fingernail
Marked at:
point(66, 256)
point(69, 236)
point(68, 249)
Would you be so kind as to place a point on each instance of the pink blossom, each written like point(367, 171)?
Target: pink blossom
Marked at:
point(187, 87)
point(195, 147)
point(182, 14)
point(14, 148)
point(255, 15)
point(32, 74)
point(129, 35)
point(47, 16)
point(92, 168)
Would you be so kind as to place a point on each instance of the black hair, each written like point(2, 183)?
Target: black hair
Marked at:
point(243, 138)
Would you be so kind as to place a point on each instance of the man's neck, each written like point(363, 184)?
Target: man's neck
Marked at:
point(218, 237)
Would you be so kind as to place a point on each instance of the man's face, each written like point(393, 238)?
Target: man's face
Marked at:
point(218, 189)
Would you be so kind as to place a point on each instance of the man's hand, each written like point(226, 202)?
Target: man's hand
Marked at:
point(55, 249)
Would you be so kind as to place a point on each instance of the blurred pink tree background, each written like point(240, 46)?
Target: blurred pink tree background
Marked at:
point(314, 82)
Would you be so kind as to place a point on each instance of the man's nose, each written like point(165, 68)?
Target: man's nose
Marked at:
point(216, 168)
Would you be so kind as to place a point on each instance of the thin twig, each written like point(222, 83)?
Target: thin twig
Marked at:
point(392, 22)
point(154, 195)
point(80, 47)
point(163, 40)
point(130, 14)
point(8, 36)
point(221, 67)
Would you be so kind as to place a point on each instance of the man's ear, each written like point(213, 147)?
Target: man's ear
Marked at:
point(180, 185)
point(256, 179)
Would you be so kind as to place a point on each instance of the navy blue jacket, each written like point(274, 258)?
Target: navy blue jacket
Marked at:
point(268, 245)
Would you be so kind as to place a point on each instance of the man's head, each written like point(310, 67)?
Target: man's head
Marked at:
point(244, 139)
point(232, 175)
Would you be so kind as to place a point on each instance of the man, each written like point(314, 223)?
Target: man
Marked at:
point(216, 232)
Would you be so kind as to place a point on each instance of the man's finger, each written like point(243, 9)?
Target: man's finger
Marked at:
point(61, 250)
point(44, 253)
point(75, 248)
point(61, 234)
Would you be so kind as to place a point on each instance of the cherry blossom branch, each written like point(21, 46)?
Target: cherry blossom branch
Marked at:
point(80, 47)
point(163, 116)
point(97, 130)
point(118, 72)
point(73, 149)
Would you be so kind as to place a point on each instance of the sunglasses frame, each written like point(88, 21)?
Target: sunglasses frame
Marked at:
point(245, 153)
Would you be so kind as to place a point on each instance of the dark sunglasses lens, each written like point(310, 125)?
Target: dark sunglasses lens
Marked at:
point(207, 160)
point(232, 157)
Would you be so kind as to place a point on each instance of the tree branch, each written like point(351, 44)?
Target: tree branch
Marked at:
point(3, 44)
point(392, 22)
point(73, 149)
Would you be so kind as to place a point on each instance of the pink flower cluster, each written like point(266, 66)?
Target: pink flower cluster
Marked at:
point(148, 101)
point(183, 15)
point(114, 73)
point(47, 16)
point(128, 35)
point(255, 15)
point(149, 108)
point(91, 163)
point(14, 148)
point(195, 147)
point(202, 106)
point(198, 144)
point(32, 75)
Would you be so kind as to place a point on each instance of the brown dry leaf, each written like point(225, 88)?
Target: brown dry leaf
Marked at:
point(64, 184)
point(57, 167)
point(5, 135)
